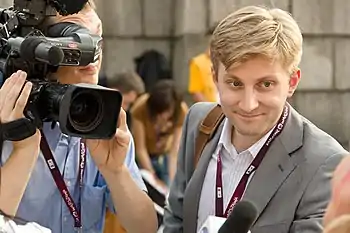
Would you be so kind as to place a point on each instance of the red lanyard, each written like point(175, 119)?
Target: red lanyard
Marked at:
point(238, 193)
point(61, 185)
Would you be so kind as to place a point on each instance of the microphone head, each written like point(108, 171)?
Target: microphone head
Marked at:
point(55, 56)
point(28, 46)
point(241, 218)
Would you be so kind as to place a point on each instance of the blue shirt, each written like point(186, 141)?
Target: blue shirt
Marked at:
point(42, 202)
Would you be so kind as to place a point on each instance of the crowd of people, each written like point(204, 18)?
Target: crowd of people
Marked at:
point(241, 140)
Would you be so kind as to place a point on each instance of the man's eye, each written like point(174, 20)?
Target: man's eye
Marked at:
point(236, 83)
point(266, 84)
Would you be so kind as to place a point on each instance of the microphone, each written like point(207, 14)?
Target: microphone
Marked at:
point(77, 50)
point(37, 49)
point(241, 218)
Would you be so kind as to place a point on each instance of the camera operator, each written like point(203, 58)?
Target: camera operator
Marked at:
point(29, 185)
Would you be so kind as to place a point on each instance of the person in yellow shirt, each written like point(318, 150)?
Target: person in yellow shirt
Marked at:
point(201, 85)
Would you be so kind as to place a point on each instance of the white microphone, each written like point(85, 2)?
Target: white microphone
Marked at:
point(240, 220)
point(212, 224)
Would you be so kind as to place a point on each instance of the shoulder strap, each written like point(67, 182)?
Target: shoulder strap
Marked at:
point(207, 129)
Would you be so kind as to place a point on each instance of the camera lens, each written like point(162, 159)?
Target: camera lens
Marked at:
point(86, 111)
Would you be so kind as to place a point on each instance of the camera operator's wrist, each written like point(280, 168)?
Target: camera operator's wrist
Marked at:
point(26, 149)
point(31, 144)
point(108, 173)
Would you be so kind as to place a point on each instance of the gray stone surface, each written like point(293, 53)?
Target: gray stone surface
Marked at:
point(186, 48)
point(158, 17)
point(329, 111)
point(323, 16)
point(119, 54)
point(317, 64)
point(221, 8)
point(122, 18)
point(341, 19)
point(191, 17)
point(100, 9)
point(5, 3)
point(342, 64)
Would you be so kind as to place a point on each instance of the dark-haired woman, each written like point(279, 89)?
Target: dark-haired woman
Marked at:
point(157, 125)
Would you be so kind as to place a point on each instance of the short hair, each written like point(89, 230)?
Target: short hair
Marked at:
point(252, 31)
point(211, 29)
point(164, 96)
point(127, 81)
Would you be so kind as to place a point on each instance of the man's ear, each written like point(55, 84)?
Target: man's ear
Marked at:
point(293, 82)
point(214, 75)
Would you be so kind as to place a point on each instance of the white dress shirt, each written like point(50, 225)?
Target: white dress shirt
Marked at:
point(234, 166)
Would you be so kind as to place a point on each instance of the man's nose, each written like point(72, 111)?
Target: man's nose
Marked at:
point(248, 102)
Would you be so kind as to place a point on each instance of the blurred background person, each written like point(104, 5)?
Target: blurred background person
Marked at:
point(201, 85)
point(131, 86)
point(157, 120)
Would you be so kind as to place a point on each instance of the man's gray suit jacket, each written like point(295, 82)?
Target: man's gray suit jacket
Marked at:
point(291, 188)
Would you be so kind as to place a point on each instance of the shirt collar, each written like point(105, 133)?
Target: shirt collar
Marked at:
point(225, 137)
point(225, 141)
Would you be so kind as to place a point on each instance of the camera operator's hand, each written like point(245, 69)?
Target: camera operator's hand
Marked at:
point(109, 155)
point(14, 95)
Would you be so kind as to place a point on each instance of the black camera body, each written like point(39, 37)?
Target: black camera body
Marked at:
point(82, 110)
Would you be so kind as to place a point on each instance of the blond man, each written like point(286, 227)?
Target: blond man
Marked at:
point(263, 150)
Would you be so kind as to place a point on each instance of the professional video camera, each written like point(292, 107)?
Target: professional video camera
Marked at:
point(83, 110)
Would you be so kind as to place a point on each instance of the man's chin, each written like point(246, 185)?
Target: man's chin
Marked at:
point(253, 129)
point(89, 79)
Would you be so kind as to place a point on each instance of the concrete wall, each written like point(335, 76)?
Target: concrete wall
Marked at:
point(176, 28)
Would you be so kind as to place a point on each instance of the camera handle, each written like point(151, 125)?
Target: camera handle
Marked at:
point(16, 131)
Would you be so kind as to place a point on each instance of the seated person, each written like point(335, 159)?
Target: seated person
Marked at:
point(157, 124)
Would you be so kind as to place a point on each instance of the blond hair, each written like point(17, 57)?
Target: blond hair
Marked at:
point(252, 31)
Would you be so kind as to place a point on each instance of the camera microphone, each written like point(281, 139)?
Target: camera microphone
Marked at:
point(37, 49)
point(77, 50)
point(241, 218)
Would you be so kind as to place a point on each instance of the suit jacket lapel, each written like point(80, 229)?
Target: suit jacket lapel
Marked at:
point(194, 187)
point(277, 164)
